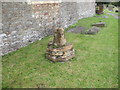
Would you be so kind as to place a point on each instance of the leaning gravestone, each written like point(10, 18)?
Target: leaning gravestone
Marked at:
point(59, 50)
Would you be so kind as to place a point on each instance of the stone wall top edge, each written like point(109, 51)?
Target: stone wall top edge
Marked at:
point(50, 1)
point(47, 1)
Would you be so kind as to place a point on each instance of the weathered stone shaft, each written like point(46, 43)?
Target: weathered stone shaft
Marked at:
point(63, 51)
point(59, 37)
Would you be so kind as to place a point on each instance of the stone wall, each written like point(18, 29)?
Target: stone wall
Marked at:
point(0, 27)
point(71, 12)
point(25, 23)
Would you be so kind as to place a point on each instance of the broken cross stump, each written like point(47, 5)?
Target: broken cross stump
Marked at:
point(59, 50)
point(59, 38)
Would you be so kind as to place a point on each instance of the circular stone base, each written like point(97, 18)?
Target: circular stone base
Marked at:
point(60, 54)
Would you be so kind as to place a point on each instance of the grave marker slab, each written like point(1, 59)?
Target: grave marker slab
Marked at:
point(78, 29)
point(101, 24)
point(93, 30)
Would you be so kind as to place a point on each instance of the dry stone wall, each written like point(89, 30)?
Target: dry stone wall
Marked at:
point(24, 23)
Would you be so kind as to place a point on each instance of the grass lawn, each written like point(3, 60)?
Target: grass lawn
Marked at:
point(94, 66)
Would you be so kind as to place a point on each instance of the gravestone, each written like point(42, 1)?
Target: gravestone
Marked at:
point(59, 50)
point(78, 29)
point(104, 6)
point(100, 9)
point(101, 24)
point(110, 8)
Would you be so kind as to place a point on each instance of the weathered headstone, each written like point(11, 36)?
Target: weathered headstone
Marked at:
point(110, 8)
point(58, 50)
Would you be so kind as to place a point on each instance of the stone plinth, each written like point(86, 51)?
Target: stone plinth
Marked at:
point(60, 54)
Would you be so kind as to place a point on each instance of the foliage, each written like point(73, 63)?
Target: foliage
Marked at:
point(108, 3)
point(116, 3)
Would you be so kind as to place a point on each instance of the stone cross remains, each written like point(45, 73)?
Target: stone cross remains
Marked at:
point(59, 50)
point(59, 37)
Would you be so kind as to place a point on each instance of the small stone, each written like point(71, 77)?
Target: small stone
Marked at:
point(59, 53)
point(53, 53)
point(65, 53)
point(54, 57)
point(63, 56)
point(3, 35)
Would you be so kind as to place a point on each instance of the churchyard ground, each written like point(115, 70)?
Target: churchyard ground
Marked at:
point(95, 64)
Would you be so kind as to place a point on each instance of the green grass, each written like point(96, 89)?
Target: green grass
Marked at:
point(94, 66)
